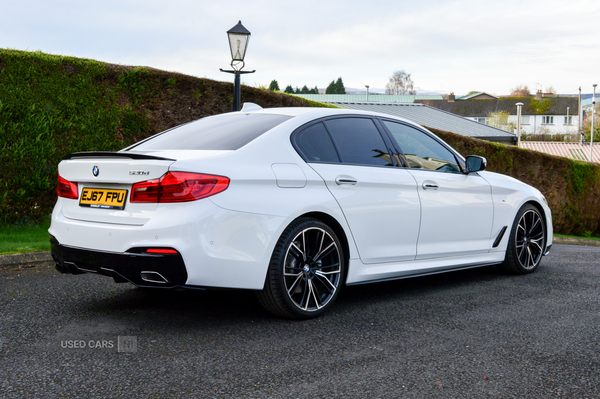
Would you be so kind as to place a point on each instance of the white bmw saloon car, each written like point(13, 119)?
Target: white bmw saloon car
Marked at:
point(294, 203)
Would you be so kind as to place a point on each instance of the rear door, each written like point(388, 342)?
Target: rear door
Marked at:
point(378, 199)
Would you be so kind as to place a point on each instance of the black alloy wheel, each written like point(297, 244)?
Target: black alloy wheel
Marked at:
point(306, 271)
point(527, 241)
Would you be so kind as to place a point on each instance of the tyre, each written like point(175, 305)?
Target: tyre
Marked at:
point(306, 271)
point(526, 242)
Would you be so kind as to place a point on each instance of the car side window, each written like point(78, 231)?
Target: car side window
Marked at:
point(421, 151)
point(358, 141)
point(316, 145)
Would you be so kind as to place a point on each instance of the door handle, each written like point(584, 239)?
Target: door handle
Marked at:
point(345, 180)
point(430, 185)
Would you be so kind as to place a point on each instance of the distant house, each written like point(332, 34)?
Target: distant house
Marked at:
point(477, 96)
point(550, 115)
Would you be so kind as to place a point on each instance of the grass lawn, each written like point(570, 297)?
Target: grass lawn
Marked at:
point(585, 238)
point(21, 239)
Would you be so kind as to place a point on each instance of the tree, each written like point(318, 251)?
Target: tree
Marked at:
point(304, 90)
point(520, 91)
point(315, 90)
point(339, 87)
point(289, 89)
point(400, 83)
point(500, 121)
point(274, 86)
point(551, 89)
point(336, 87)
point(331, 88)
point(473, 92)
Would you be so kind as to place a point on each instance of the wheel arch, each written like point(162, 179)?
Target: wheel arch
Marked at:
point(547, 218)
point(538, 206)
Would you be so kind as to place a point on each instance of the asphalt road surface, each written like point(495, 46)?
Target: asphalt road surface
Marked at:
point(470, 334)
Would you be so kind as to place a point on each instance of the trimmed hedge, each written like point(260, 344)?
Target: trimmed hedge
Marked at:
point(53, 105)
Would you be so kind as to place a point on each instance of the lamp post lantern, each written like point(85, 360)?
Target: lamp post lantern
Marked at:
point(519, 106)
point(238, 43)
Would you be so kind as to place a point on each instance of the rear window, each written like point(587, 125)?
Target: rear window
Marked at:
point(220, 132)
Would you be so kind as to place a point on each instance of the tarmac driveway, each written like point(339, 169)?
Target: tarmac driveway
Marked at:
point(477, 333)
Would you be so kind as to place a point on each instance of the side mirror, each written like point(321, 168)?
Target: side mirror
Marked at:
point(475, 163)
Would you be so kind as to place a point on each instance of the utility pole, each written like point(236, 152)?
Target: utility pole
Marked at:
point(592, 131)
point(519, 106)
point(579, 112)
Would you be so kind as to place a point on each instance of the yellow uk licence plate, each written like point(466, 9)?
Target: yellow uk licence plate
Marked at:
point(103, 198)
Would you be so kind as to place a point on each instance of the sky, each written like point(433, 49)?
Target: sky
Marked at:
point(447, 45)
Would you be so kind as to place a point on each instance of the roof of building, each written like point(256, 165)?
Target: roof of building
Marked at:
point(474, 95)
point(482, 108)
point(569, 150)
point(375, 98)
point(434, 118)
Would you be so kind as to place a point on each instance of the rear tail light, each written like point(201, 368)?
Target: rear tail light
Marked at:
point(66, 189)
point(178, 187)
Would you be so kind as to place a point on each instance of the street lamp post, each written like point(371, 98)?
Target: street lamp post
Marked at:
point(367, 86)
point(238, 43)
point(519, 106)
point(592, 130)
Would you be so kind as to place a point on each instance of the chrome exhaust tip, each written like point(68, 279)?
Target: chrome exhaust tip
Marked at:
point(153, 277)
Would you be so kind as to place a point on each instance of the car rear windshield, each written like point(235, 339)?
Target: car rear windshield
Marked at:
point(219, 132)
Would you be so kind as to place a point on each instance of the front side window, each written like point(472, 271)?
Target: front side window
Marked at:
point(481, 120)
point(525, 120)
point(568, 120)
point(422, 151)
point(358, 141)
point(220, 132)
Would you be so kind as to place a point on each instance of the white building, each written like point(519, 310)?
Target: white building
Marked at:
point(551, 115)
point(549, 124)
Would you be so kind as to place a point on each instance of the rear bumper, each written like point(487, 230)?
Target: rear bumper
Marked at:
point(134, 266)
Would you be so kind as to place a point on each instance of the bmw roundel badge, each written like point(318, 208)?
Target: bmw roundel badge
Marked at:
point(95, 171)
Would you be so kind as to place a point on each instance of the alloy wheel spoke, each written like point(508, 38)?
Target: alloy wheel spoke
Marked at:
point(324, 252)
point(313, 292)
point(304, 250)
point(522, 255)
point(323, 278)
point(335, 269)
point(305, 299)
point(535, 224)
point(530, 257)
point(295, 284)
point(537, 244)
point(537, 236)
point(297, 252)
